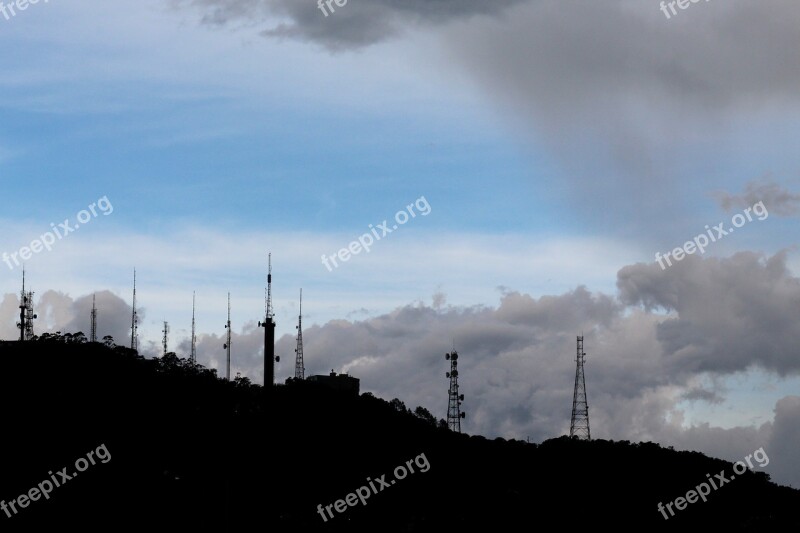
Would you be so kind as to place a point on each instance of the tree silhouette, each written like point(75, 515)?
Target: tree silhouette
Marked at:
point(423, 414)
point(399, 406)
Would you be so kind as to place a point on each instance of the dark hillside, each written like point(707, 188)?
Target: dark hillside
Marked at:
point(193, 451)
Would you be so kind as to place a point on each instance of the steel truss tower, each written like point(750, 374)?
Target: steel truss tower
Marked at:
point(454, 413)
point(26, 314)
point(579, 425)
point(299, 365)
point(165, 331)
point(93, 329)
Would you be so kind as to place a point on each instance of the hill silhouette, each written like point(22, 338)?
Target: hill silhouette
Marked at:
point(188, 449)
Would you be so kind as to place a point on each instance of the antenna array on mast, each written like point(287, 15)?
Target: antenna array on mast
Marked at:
point(26, 314)
point(454, 413)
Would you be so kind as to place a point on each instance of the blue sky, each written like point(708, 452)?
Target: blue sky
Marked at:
point(242, 138)
point(553, 153)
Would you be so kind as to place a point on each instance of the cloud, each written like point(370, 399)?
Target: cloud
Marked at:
point(777, 200)
point(728, 314)
point(623, 99)
point(778, 438)
point(356, 24)
point(619, 96)
point(58, 311)
point(247, 352)
point(517, 359)
point(704, 395)
point(785, 436)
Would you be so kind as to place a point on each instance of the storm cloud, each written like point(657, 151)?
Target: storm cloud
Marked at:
point(623, 98)
point(356, 24)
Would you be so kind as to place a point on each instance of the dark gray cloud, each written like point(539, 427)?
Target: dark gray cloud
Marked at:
point(728, 313)
point(777, 199)
point(356, 24)
point(703, 395)
point(623, 97)
point(618, 94)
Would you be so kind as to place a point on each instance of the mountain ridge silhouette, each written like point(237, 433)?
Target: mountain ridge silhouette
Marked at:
point(189, 449)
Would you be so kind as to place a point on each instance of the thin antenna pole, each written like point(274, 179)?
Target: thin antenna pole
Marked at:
point(193, 353)
point(22, 308)
point(227, 345)
point(134, 319)
point(269, 289)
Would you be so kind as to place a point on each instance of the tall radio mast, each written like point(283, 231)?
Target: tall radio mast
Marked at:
point(134, 319)
point(193, 353)
point(269, 333)
point(227, 345)
point(299, 365)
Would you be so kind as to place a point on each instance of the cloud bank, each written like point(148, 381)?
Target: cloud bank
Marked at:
point(649, 347)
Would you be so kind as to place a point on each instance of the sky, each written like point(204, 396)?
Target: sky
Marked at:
point(548, 156)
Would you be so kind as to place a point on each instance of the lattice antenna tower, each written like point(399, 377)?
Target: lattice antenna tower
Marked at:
point(29, 316)
point(454, 413)
point(579, 425)
point(193, 353)
point(26, 314)
point(299, 365)
point(93, 327)
point(134, 319)
point(165, 331)
point(227, 345)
